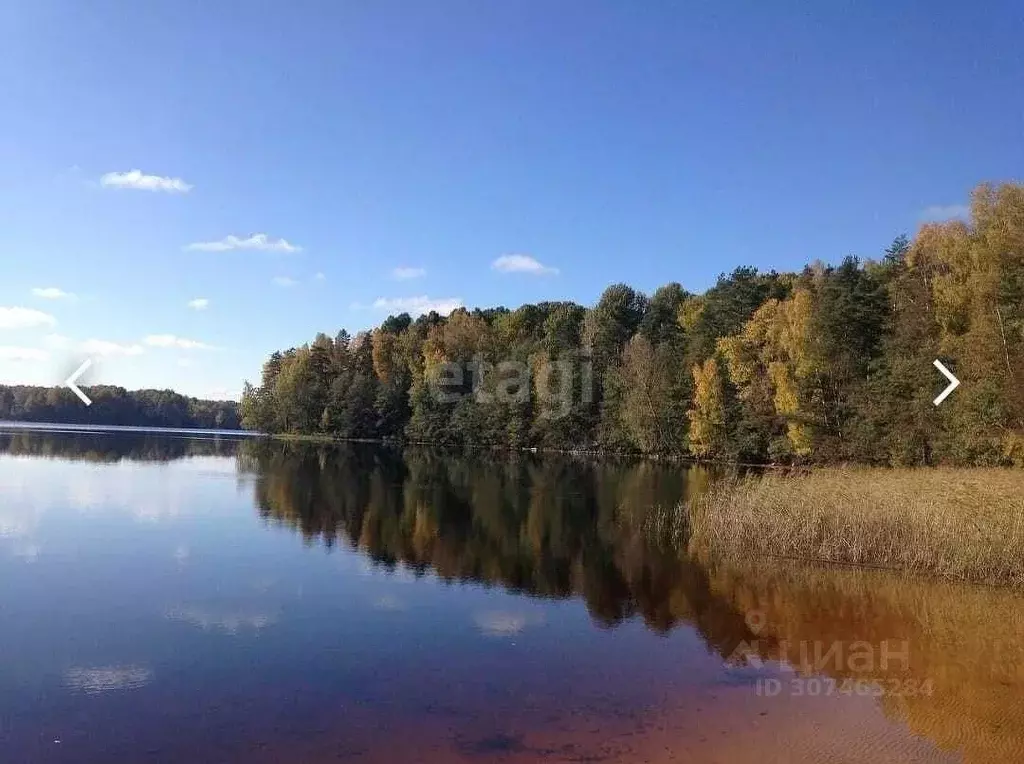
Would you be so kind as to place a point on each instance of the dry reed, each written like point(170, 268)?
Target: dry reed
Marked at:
point(964, 524)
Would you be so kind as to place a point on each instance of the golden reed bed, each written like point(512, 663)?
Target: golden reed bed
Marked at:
point(963, 524)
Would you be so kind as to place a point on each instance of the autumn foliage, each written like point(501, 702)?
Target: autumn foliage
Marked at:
point(832, 364)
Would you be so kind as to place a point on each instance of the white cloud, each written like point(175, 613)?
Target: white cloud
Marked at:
point(52, 293)
point(522, 264)
point(285, 281)
point(200, 303)
point(107, 348)
point(170, 341)
point(320, 277)
point(12, 353)
point(258, 241)
point(418, 305)
point(946, 212)
point(56, 341)
point(135, 179)
point(24, 318)
point(405, 274)
point(184, 362)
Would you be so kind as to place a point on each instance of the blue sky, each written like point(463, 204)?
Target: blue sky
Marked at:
point(585, 142)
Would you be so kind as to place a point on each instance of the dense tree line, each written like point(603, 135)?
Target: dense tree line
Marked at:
point(116, 406)
point(833, 363)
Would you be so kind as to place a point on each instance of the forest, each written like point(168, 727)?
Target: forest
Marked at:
point(115, 406)
point(830, 364)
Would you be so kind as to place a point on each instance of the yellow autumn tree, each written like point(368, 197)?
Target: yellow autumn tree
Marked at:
point(978, 294)
point(772, 360)
point(386, 358)
point(707, 414)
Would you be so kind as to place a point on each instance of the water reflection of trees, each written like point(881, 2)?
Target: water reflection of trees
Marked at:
point(547, 526)
point(554, 526)
point(965, 640)
point(559, 527)
point(111, 447)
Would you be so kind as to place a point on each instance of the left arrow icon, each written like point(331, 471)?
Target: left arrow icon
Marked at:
point(70, 381)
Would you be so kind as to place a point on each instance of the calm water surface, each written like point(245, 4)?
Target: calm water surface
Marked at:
point(167, 599)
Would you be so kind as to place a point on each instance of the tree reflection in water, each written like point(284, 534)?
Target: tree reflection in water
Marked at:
point(111, 446)
point(550, 526)
point(558, 526)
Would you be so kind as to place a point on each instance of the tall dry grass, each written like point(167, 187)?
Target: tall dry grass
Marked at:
point(964, 524)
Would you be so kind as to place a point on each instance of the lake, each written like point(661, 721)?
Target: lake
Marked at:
point(171, 599)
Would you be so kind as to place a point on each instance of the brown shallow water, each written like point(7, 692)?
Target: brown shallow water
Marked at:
point(170, 600)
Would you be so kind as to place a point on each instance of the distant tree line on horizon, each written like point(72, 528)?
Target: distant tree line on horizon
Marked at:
point(830, 364)
point(115, 406)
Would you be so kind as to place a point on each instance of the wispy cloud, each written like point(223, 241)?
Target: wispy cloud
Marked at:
point(24, 318)
point(13, 353)
point(107, 348)
point(257, 241)
point(522, 264)
point(285, 281)
point(136, 179)
point(171, 341)
point(200, 303)
point(418, 305)
point(946, 212)
point(320, 277)
point(52, 293)
point(56, 341)
point(404, 273)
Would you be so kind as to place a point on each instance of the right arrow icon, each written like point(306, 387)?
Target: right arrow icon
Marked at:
point(954, 383)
